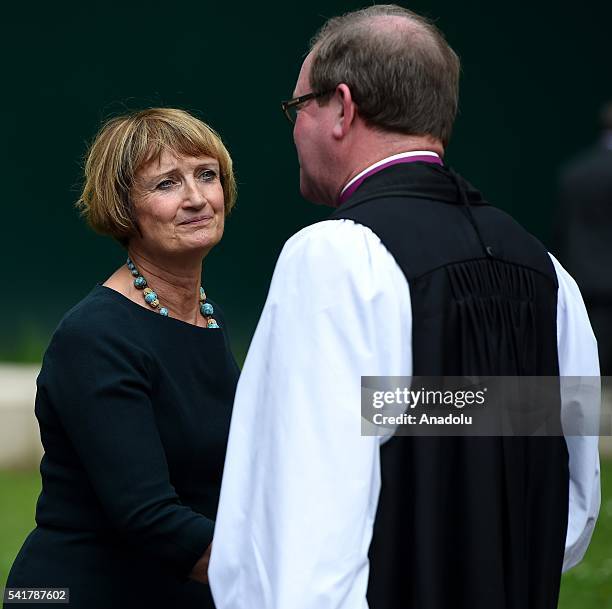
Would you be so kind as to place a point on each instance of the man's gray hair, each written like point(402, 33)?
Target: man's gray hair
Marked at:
point(403, 75)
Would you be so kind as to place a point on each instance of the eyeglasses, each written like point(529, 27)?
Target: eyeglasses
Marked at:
point(292, 106)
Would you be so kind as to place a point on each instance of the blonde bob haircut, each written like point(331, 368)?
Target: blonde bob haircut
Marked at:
point(124, 145)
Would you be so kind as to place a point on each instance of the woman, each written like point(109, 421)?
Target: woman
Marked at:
point(135, 393)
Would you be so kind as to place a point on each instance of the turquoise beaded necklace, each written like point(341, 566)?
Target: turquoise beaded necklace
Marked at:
point(206, 309)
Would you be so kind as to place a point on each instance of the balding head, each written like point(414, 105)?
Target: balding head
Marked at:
point(402, 74)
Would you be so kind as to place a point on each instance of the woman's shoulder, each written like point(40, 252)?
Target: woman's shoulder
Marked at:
point(101, 306)
point(101, 314)
point(100, 331)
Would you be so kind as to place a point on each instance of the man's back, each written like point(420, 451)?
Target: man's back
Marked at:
point(467, 519)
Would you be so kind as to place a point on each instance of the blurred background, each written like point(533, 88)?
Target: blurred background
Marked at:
point(535, 77)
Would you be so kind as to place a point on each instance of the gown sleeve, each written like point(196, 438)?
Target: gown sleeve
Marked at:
point(97, 380)
point(301, 484)
point(578, 357)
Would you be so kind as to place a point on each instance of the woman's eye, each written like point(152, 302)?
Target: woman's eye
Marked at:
point(165, 184)
point(208, 175)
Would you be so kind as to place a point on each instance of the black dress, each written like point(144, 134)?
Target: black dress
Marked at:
point(134, 411)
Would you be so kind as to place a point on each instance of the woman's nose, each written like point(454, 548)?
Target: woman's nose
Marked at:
point(194, 194)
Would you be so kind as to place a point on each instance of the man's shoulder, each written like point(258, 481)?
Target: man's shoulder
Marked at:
point(331, 252)
point(337, 239)
point(337, 255)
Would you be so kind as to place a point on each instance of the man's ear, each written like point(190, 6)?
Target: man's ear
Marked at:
point(347, 111)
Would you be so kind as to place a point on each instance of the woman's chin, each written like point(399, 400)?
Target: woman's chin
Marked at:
point(201, 242)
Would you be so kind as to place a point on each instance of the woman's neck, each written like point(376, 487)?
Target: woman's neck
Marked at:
point(176, 283)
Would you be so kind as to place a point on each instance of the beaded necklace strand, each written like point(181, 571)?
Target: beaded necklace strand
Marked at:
point(206, 309)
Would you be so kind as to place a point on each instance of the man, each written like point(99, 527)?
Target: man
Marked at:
point(414, 274)
point(584, 226)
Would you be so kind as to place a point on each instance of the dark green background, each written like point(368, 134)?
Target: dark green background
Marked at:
point(534, 77)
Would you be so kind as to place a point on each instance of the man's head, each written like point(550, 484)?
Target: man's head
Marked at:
point(390, 82)
point(605, 117)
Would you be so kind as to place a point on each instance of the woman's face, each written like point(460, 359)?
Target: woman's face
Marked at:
point(178, 203)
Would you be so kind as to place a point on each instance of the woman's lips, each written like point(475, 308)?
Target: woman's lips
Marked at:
point(197, 220)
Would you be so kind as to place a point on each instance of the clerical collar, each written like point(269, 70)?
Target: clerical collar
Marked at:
point(425, 156)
